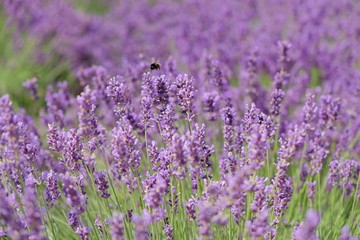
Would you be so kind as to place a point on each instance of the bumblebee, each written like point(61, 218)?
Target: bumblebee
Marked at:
point(261, 120)
point(155, 66)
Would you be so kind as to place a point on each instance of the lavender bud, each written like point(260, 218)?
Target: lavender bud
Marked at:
point(73, 196)
point(33, 214)
point(117, 91)
point(155, 191)
point(308, 228)
point(311, 190)
point(169, 232)
point(329, 111)
point(32, 86)
point(310, 109)
point(186, 95)
point(190, 208)
point(86, 114)
point(117, 227)
point(102, 184)
point(283, 48)
point(141, 225)
point(210, 105)
point(55, 138)
point(83, 233)
point(345, 235)
point(258, 226)
point(276, 100)
point(73, 149)
point(52, 188)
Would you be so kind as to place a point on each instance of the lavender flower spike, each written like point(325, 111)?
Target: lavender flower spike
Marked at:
point(102, 184)
point(32, 86)
point(186, 95)
point(117, 227)
point(308, 229)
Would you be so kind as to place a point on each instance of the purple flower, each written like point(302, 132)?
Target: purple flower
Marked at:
point(219, 77)
point(228, 116)
point(260, 198)
point(98, 141)
point(146, 107)
point(253, 88)
point(348, 175)
point(258, 226)
point(32, 86)
point(117, 91)
point(83, 233)
point(9, 217)
point(33, 214)
point(154, 191)
point(161, 90)
point(96, 77)
point(311, 190)
point(281, 78)
point(52, 187)
point(308, 229)
point(345, 235)
point(73, 218)
point(117, 227)
point(55, 138)
point(73, 149)
point(169, 232)
point(102, 183)
point(141, 225)
point(198, 152)
point(276, 99)
point(329, 111)
point(251, 117)
point(283, 194)
point(186, 95)
point(271, 234)
point(15, 178)
point(289, 147)
point(74, 197)
point(178, 151)
point(221, 219)
point(310, 108)
point(174, 202)
point(57, 103)
point(167, 123)
point(31, 151)
point(228, 163)
point(238, 186)
point(86, 114)
point(257, 146)
point(124, 149)
point(238, 208)
point(99, 225)
point(190, 208)
point(317, 154)
point(206, 212)
point(283, 48)
point(210, 105)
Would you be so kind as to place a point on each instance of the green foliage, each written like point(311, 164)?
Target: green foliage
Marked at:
point(265, 80)
point(315, 78)
point(20, 60)
point(91, 6)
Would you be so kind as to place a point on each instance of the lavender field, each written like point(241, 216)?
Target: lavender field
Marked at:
point(180, 119)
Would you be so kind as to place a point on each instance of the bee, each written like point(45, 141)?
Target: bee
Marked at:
point(261, 120)
point(155, 65)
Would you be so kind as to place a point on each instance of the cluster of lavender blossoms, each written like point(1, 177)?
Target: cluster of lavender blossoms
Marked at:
point(250, 128)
